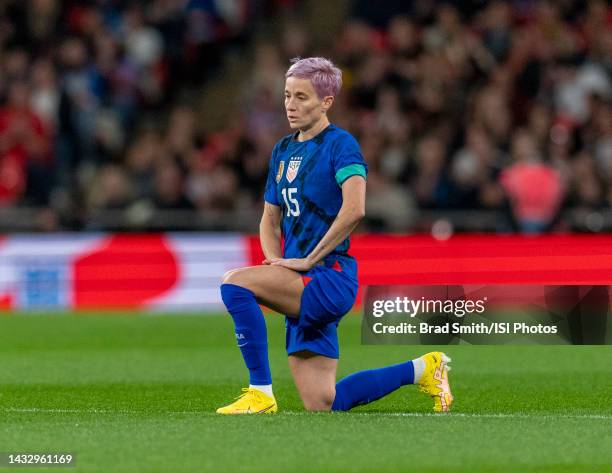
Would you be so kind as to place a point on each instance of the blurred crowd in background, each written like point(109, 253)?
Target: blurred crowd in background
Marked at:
point(497, 107)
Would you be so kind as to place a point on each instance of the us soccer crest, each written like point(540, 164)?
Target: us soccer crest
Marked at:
point(293, 167)
point(279, 174)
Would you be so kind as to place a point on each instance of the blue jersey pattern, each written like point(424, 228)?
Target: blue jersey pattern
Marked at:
point(302, 180)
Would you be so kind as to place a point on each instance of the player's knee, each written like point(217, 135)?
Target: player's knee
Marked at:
point(239, 277)
point(225, 279)
point(232, 276)
point(319, 403)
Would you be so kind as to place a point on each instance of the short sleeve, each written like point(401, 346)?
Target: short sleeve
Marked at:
point(348, 160)
point(270, 192)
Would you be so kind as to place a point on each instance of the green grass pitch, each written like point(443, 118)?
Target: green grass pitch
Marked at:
point(138, 394)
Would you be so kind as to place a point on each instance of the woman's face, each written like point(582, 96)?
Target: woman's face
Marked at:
point(303, 106)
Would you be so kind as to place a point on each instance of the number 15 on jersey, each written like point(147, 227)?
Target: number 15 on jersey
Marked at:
point(292, 204)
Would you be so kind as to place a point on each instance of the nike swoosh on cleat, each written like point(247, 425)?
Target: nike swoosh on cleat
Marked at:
point(246, 343)
point(266, 409)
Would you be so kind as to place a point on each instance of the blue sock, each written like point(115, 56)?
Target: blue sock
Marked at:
point(251, 332)
point(367, 386)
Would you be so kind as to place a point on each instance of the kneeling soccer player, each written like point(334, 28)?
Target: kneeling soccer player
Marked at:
point(315, 196)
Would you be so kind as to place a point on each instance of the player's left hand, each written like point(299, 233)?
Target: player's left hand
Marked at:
point(296, 264)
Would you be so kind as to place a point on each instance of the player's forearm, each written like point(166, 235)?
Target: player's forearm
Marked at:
point(346, 221)
point(269, 238)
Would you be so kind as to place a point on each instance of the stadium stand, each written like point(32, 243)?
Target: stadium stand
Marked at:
point(160, 115)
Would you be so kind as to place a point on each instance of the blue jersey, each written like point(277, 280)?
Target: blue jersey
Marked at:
point(305, 180)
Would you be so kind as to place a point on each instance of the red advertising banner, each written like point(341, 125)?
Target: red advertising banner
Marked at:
point(183, 271)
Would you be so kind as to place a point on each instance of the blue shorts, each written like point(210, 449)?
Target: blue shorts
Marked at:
point(329, 293)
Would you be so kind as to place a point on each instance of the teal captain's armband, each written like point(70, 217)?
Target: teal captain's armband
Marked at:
point(349, 171)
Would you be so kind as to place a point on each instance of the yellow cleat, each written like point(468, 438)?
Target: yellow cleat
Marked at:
point(251, 401)
point(434, 381)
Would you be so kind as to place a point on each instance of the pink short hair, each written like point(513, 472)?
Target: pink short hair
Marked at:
point(325, 77)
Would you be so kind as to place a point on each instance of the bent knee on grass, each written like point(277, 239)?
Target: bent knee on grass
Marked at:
point(315, 379)
point(318, 403)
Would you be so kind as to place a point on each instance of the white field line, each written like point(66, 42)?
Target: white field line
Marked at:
point(362, 414)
